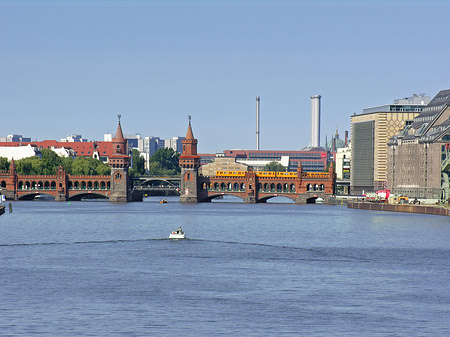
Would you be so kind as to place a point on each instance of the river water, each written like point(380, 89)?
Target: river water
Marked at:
point(104, 269)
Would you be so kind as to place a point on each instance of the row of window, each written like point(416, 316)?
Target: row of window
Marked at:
point(33, 185)
point(279, 188)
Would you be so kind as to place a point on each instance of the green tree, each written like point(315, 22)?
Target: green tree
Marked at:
point(138, 167)
point(30, 165)
point(165, 162)
point(88, 166)
point(4, 164)
point(50, 162)
point(274, 166)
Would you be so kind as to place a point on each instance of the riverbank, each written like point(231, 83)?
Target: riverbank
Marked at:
point(406, 208)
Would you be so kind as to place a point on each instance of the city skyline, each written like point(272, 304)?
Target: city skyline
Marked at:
point(70, 67)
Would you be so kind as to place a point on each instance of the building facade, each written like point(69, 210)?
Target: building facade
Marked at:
point(312, 160)
point(419, 156)
point(371, 132)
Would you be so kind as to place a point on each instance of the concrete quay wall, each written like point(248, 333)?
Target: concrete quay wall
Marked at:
point(422, 209)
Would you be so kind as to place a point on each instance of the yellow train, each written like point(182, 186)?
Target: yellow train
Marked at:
point(287, 174)
point(230, 173)
point(321, 175)
point(262, 174)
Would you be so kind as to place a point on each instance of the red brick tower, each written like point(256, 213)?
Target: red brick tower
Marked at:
point(11, 182)
point(61, 185)
point(189, 163)
point(119, 162)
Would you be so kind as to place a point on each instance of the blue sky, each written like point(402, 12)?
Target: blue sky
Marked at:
point(71, 66)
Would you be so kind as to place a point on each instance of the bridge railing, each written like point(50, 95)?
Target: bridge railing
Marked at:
point(156, 188)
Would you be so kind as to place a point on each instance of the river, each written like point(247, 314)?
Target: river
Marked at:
point(104, 269)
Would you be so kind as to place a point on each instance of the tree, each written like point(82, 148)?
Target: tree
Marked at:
point(50, 162)
point(165, 162)
point(274, 166)
point(88, 166)
point(4, 164)
point(29, 166)
point(138, 167)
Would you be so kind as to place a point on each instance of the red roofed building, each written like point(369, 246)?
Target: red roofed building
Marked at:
point(99, 149)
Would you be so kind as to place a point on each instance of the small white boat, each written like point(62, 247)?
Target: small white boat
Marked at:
point(320, 200)
point(178, 234)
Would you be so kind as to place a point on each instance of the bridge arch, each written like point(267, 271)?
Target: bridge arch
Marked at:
point(87, 195)
point(31, 195)
point(267, 197)
point(221, 195)
point(149, 181)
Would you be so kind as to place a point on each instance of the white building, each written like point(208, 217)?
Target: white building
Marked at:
point(258, 164)
point(19, 152)
point(73, 138)
point(63, 152)
point(343, 160)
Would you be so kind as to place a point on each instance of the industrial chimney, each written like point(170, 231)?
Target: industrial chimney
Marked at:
point(315, 121)
point(257, 122)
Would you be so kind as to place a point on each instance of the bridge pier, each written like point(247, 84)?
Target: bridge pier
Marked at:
point(60, 197)
point(250, 199)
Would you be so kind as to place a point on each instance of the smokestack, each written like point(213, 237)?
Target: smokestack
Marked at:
point(315, 121)
point(257, 122)
point(346, 138)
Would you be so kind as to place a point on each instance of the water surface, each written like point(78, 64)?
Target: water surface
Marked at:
point(104, 269)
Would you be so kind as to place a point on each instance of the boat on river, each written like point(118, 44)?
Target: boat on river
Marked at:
point(320, 200)
point(178, 234)
point(163, 201)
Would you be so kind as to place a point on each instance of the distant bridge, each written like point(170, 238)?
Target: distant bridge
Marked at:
point(147, 186)
point(258, 187)
point(61, 186)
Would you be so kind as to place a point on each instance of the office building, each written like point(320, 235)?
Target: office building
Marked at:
point(371, 131)
point(419, 155)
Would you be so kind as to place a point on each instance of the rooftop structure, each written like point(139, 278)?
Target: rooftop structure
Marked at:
point(415, 103)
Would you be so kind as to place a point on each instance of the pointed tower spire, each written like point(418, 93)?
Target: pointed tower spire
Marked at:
point(189, 134)
point(119, 133)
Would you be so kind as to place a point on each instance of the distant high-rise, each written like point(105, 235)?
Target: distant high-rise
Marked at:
point(315, 121)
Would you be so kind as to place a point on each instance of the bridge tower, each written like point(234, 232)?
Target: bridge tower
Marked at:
point(189, 163)
point(119, 162)
point(61, 185)
point(11, 182)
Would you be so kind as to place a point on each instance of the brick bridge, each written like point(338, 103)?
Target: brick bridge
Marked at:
point(61, 186)
point(258, 187)
point(252, 187)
